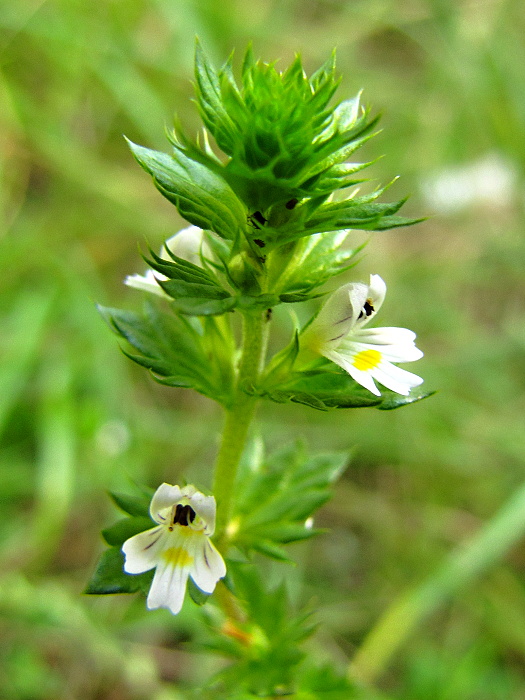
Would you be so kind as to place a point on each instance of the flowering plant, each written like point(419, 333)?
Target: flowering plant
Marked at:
point(269, 225)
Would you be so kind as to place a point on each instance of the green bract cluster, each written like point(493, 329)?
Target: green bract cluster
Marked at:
point(285, 154)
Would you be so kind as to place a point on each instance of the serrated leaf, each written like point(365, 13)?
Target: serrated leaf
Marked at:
point(194, 306)
point(210, 102)
point(178, 289)
point(178, 268)
point(119, 532)
point(393, 401)
point(278, 494)
point(109, 576)
point(175, 346)
point(269, 549)
point(202, 196)
point(324, 390)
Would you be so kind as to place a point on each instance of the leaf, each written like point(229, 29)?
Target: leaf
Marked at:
point(297, 297)
point(174, 346)
point(392, 401)
point(210, 102)
point(122, 530)
point(190, 290)
point(278, 494)
point(271, 550)
point(202, 196)
point(134, 505)
point(285, 533)
point(109, 576)
point(194, 306)
point(326, 389)
point(199, 597)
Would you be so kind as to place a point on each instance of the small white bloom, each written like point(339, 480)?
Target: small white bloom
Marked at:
point(178, 547)
point(338, 334)
point(185, 244)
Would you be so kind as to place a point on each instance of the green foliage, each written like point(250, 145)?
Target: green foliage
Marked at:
point(278, 494)
point(282, 139)
point(201, 195)
point(286, 154)
point(308, 264)
point(109, 576)
point(266, 660)
point(265, 649)
point(179, 351)
point(323, 387)
point(194, 290)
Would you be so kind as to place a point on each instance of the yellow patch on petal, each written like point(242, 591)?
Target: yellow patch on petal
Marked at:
point(177, 556)
point(367, 360)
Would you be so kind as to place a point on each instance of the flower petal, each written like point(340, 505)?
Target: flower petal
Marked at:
point(146, 282)
point(396, 379)
point(346, 362)
point(186, 244)
point(164, 497)
point(204, 507)
point(376, 291)
point(395, 352)
point(385, 336)
point(336, 318)
point(142, 550)
point(168, 587)
point(208, 566)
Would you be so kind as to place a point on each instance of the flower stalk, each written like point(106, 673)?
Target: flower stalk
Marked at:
point(238, 417)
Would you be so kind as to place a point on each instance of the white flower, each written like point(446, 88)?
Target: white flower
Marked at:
point(178, 547)
point(338, 334)
point(185, 244)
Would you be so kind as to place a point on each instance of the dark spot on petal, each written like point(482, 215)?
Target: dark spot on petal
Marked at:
point(292, 203)
point(367, 310)
point(183, 515)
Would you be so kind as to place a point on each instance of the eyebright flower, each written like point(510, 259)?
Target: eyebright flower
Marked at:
point(186, 244)
point(178, 547)
point(338, 334)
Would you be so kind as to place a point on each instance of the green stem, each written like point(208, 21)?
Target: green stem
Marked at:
point(463, 566)
point(238, 417)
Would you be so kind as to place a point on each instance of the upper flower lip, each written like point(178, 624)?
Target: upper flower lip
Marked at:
point(168, 496)
point(351, 306)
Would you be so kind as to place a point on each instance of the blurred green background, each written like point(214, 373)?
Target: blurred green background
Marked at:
point(77, 418)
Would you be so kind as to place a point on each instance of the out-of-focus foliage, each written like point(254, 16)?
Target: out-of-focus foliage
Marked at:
point(77, 418)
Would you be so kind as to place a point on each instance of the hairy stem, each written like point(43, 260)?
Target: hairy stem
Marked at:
point(238, 417)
